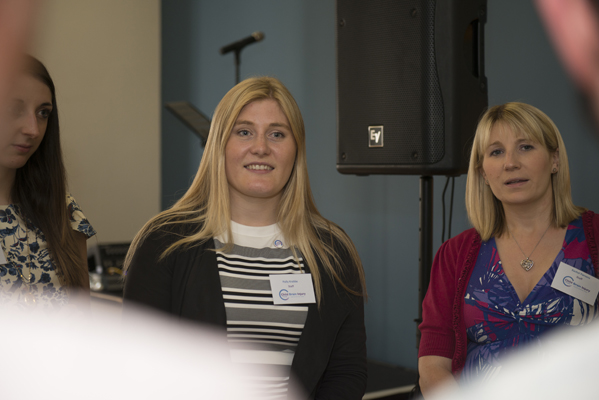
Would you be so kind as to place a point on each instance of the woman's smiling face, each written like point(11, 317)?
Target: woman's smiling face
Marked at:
point(260, 153)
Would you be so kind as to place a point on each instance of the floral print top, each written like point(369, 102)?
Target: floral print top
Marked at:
point(498, 322)
point(26, 252)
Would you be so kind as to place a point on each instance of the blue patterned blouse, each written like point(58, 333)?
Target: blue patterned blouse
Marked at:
point(26, 251)
point(497, 321)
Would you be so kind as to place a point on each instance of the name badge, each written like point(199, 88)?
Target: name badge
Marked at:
point(3, 259)
point(576, 283)
point(292, 289)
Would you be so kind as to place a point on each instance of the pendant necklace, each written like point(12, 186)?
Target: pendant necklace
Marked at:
point(527, 263)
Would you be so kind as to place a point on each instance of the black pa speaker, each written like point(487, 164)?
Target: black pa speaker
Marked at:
point(410, 85)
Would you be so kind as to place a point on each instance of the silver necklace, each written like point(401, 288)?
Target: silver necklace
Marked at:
point(527, 263)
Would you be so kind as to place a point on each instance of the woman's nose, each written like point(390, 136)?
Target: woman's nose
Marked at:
point(511, 160)
point(30, 125)
point(260, 145)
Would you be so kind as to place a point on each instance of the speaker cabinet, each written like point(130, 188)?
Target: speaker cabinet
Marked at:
point(410, 85)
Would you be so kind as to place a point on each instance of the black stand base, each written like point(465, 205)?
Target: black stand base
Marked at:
point(389, 382)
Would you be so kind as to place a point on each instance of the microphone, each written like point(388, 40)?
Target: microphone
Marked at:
point(240, 44)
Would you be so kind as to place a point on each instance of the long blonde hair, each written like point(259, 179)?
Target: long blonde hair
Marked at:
point(206, 203)
point(485, 211)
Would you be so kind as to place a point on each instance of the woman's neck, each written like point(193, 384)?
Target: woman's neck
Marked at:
point(254, 211)
point(528, 219)
point(7, 180)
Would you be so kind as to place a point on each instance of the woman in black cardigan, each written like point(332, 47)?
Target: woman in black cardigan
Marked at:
point(246, 249)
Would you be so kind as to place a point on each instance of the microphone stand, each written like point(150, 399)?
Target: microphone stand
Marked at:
point(237, 62)
point(236, 47)
point(425, 258)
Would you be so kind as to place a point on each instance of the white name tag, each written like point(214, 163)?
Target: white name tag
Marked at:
point(3, 259)
point(292, 289)
point(576, 283)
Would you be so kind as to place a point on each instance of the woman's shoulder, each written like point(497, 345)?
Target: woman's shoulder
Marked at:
point(465, 236)
point(79, 221)
point(590, 216)
point(334, 236)
point(72, 204)
point(154, 242)
point(325, 232)
point(169, 233)
point(590, 221)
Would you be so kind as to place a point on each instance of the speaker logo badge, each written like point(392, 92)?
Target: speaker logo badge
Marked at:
point(375, 136)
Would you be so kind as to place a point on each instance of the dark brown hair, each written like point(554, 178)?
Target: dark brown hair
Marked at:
point(40, 191)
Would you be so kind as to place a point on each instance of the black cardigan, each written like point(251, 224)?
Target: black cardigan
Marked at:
point(330, 360)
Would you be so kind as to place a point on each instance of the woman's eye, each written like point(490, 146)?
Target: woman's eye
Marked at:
point(278, 135)
point(495, 152)
point(45, 113)
point(243, 132)
point(527, 147)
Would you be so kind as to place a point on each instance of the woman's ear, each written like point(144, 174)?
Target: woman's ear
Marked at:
point(482, 173)
point(555, 159)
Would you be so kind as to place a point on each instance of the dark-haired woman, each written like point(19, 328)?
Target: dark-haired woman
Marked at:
point(42, 230)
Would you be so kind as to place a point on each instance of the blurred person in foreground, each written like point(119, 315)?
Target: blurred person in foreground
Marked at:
point(564, 368)
point(16, 20)
point(573, 26)
point(246, 250)
point(495, 287)
point(98, 357)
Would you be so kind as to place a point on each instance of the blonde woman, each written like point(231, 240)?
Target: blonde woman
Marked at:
point(246, 241)
point(504, 283)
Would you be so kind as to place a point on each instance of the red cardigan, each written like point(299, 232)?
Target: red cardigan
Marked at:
point(443, 327)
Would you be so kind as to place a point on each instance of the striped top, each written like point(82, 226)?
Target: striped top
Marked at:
point(259, 332)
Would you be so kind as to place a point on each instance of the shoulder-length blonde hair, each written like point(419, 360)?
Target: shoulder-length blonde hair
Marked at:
point(485, 211)
point(206, 203)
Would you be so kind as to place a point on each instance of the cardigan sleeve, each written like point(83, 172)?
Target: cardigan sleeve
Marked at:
point(590, 222)
point(330, 360)
point(443, 332)
point(437, 335)
point(345, 375)
point(149, 278)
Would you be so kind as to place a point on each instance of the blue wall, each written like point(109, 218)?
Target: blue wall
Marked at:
point(380, 213)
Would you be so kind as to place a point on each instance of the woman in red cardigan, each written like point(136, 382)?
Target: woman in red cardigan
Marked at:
point(518, 272)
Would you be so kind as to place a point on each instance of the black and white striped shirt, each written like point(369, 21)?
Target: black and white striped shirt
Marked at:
point(260, 332)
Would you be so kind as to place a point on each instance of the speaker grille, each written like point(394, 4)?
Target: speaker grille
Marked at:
point(387, 76)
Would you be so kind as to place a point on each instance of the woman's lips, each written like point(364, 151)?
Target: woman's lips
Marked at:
point(516, 182)
point(23, 148)
point(259, 167)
